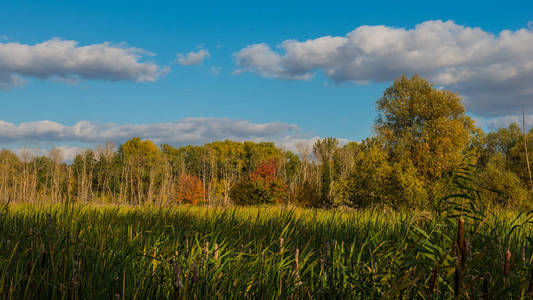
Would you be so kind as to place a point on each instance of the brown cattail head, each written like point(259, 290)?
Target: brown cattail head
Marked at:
point(216, 251)
point(281, 241)
point(206, 250)
point(507, 263)
point(460, 233)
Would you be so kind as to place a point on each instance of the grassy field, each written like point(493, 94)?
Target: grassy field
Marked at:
point(189, 252)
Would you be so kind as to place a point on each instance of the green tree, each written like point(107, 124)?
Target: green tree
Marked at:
point(500, 185)
point(424, 127)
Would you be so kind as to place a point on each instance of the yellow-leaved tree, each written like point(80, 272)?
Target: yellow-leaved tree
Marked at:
point(426, 128)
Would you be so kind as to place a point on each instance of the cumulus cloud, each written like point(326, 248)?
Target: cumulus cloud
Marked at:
point(492, 71)
point(67, 61)
point(193, 58)
point(186, 131)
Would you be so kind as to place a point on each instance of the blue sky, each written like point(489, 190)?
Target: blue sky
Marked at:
point(333, 99)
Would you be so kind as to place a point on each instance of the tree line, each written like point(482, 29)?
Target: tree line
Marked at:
point(422, 136)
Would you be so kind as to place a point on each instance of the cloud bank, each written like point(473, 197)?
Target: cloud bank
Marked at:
point(68, 153)
point(67, 61)
point(186, 131)
point(193, 58)
point(504, 121)
point(494, 73)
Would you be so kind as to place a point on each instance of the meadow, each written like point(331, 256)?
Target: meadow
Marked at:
point(201, 252)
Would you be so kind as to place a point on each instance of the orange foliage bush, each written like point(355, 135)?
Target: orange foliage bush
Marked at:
point(190, 190)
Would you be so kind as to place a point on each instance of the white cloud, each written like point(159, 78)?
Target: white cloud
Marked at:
point(259, 58)
point(63, 60)
point(193, 58)
point(186, 131)
point(493, 72)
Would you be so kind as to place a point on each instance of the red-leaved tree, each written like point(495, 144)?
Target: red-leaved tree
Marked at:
point(190, 190)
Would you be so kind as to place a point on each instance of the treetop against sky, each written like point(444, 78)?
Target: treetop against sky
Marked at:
point(74, 75)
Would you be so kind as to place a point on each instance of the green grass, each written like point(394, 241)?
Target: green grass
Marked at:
point(256, 252)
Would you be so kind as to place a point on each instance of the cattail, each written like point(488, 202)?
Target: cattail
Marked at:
point(460, 234)
point(206, 250)
point(296, 260)
point(281, 240)
point(216, 251)
point(507, 264)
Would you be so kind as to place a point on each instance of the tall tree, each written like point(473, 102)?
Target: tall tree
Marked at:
point(424, 126)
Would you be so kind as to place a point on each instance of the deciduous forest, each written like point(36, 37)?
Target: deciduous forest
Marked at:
point(422, 136)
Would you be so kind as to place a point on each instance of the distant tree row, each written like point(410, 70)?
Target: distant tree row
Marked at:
point(422, 136)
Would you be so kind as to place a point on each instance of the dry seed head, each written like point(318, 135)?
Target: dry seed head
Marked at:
point(507, 263)
point(216, 251)
point(206, 250)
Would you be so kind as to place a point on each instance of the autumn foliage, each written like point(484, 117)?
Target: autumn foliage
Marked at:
point(262, 187)
point(190, 190)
